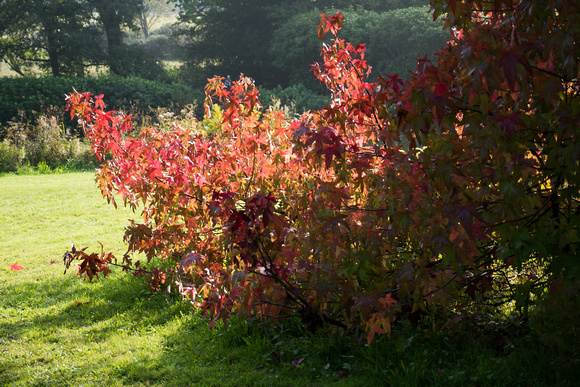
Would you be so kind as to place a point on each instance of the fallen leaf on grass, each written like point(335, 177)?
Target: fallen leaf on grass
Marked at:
point(16, 266)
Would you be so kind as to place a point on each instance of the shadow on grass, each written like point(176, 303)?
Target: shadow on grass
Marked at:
point(150, 338)
point(47, 321)
point(242, 355)
point(154, 338)
point(119, 302)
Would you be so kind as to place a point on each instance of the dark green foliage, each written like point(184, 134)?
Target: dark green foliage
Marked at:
point(395, 39)
point(137, 60)
point(57, 35)
point(297, 97)
point(229, 37)
point(275, 42)
point(31, 95)
point(161, 46)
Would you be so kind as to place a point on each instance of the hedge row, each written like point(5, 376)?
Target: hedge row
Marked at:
point(297, 97)
point(32, 95)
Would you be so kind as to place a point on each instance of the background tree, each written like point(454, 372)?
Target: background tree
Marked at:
point(152, 11)
point(113, 16)
point(58, 35)
point(394, 40)
point(229, 37)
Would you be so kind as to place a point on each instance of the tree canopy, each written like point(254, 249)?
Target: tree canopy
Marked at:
point(67, 36)
point(394, 40)
point(58, 35)
point(229, 36)
point(269, 41)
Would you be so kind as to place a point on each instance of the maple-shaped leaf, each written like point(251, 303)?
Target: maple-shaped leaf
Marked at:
point(380, 324)
point(508, 62)
point(440, 89)
point(302, 130)
point(509, 121)
point(16, 266)
point(329, 152)
point(548, 64)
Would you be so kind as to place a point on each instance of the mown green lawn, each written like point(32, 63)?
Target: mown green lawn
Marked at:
point(57, 330)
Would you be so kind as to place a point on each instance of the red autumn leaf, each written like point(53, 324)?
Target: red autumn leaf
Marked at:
point(548, 64)
point(440, 89)
point(509, 61)
point(331, 151)
point(395, 82)
point(16, 266)
point(509, 121)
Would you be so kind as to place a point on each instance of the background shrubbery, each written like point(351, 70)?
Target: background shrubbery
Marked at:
point(25, 98)
point(31, 95)
point(43, 146)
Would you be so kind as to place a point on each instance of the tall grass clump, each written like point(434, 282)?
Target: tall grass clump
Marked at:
point(42, 145)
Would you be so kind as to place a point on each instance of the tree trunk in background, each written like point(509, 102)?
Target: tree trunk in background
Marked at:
point(144, 24)
point(111, 21)
point(48, 30)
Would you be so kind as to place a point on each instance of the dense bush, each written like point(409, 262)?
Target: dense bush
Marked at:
point(32, 95)
point(454, 194)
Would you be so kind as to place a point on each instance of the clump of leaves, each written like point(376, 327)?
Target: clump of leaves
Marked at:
point(454, 192)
